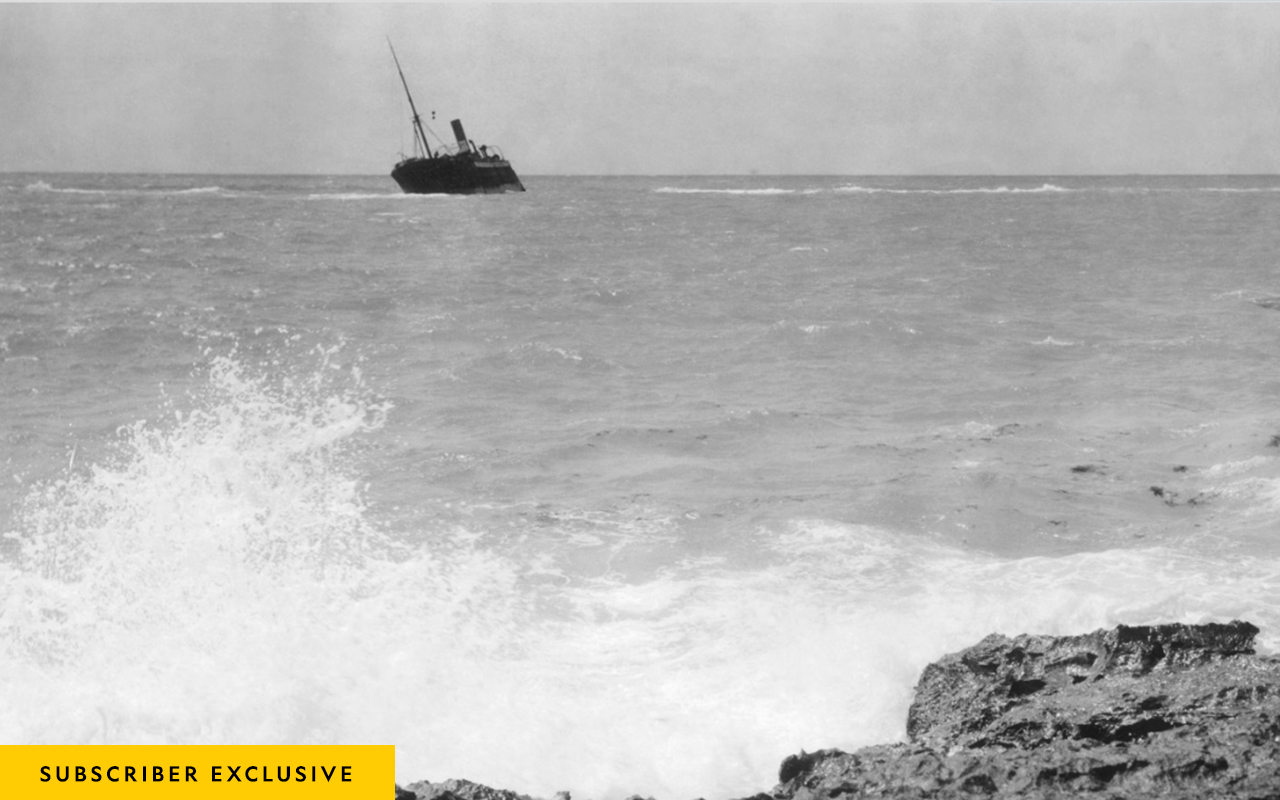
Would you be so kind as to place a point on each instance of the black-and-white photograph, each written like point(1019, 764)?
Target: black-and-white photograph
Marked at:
point(645, 401)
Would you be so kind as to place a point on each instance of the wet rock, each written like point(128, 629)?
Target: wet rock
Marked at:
point(1134, 712)
point(456, 789)
point(1170, 497)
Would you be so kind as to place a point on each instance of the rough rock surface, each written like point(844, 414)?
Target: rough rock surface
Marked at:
point(455, 790)
point(1167, 711)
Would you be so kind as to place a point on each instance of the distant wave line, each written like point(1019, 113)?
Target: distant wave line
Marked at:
point(1241, 190)
point(41, 186)
point(680, 190)
point(378, 196)
point(1046, 188)
point(856, 189)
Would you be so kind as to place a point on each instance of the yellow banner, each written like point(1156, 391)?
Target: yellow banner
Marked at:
point(352, 772)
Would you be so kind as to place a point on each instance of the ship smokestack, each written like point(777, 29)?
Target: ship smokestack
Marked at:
point(458, 134)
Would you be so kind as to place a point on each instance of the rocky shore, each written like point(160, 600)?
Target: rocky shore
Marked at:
point(1165, 711)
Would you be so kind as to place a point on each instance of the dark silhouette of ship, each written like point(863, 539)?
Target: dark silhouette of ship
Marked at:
point(460, 168)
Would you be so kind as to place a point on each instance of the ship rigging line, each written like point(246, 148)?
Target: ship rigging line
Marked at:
point(417, 120)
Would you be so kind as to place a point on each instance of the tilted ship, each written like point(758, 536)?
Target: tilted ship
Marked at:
point(460, 168)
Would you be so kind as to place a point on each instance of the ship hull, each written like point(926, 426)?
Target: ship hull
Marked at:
point(456, 175)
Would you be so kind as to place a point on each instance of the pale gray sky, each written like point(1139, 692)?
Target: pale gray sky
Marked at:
point(894, 88)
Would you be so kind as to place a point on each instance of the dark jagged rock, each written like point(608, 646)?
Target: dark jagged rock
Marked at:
point(1167, 711)
point(970, 697)
point(458, 790)
point(1136, 712)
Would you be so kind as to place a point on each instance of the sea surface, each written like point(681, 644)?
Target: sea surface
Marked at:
point(622, 485)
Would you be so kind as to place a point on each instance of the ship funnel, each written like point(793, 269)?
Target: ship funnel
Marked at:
point(458, 134)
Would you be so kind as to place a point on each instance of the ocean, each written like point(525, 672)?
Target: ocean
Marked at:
point(621, 485)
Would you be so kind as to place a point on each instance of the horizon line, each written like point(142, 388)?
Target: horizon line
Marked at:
point(683, 174)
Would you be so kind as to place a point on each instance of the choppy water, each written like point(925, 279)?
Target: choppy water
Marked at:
point(620, 485)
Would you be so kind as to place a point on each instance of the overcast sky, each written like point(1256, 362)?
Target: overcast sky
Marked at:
point(895, 88)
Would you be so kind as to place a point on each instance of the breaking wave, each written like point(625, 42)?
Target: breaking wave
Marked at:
point(223, 578)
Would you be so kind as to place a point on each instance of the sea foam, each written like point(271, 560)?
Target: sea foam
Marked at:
point(223, 578)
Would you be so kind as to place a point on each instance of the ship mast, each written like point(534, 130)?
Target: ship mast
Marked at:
point(417, 121)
